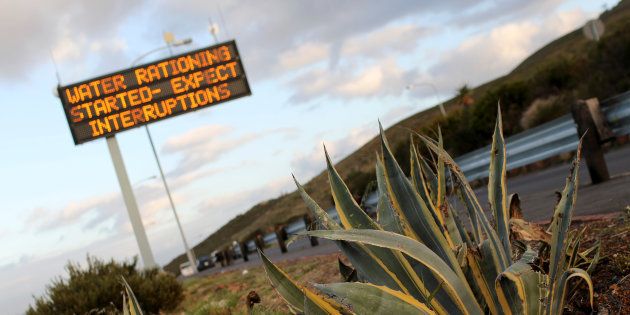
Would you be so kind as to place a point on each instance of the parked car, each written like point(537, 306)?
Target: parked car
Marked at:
point(186, 269)
point(205, 262)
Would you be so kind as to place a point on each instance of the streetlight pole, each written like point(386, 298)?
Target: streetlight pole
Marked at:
point(440, 104)
point(170, 42)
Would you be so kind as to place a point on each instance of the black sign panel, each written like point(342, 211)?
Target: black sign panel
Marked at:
point(151, 92)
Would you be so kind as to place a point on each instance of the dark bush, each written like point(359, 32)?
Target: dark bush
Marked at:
point(97, 289)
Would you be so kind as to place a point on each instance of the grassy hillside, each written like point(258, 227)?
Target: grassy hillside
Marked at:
point(569, 67)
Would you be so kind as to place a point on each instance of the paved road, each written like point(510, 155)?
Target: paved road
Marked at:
point(537, 193)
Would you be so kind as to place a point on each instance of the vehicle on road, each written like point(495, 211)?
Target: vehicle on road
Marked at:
point(186, 269)
point(205, 262)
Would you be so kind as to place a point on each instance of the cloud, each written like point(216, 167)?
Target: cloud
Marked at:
point(215, 211)
point(486, 56)
point(304, 55)
point(67, 28)
point(307, 165)
point(378, 79)
point(206, 144)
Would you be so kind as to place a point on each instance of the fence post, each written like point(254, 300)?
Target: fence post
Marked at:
point(244, 250)
point(591, 143)
point(227, 253)
point(220, 258)
point(308, 222)
point(259, 242)
point(281, 236)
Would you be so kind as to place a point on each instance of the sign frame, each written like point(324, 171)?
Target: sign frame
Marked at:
point(242, 77)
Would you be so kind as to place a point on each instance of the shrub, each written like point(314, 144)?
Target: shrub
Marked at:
point(423, 256)
point(98, 288)
point(546, 109)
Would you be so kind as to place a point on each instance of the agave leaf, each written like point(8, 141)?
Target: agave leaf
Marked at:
point(574, 253)
point(477, 234)
point(291, 292)
point(497, 187)
point(573, 247)
point(519, 288)
point(556, 305)
point(365, 298)
point(441, 174)
point(443, 216)
point(386, 216)
point(560, 229)
point(595, 260)
point(390, 221)
point(353, 217)
point(319, 213)
point(498, 251)
point(419, 178)
point(592, 263)
point(413, 210)
point(125, 306)
point(385, 213)
point(310, 308)
point(367, 264)
point(456, 287)
point(431, 180)
point(350, 213)
point(483, 271)
point(130, 303)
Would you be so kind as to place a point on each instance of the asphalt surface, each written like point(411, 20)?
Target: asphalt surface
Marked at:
point(536, 191)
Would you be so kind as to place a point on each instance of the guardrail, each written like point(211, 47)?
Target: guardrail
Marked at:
point(533, 145)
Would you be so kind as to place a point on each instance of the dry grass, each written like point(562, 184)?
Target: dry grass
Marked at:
point(226, 293)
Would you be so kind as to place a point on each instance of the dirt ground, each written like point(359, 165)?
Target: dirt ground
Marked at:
point(611, 277)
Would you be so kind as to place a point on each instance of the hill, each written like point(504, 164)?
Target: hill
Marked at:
point(569, 67)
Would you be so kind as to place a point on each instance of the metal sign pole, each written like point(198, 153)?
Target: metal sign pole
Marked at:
point(130, 201)
point(191, 255)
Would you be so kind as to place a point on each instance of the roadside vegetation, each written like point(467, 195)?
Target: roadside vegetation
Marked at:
point(97, 288)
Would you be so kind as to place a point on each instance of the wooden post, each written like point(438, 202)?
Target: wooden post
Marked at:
point(308, 222)
point(244, 250)
point(280, 237)
point(259, 242)
point(228, 256)
point(220, 258)
point(591, 143)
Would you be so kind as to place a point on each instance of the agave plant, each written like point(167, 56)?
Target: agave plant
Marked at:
point(130, 303)
point(423, 256)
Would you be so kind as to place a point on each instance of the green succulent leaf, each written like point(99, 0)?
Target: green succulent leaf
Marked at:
point(291, 292)
point(130, 303)
point(559, 233)
point(456, 287)
point(519, 287)
point(472, 203)
point(413, 210)
point(497, 187)
point(365, 298)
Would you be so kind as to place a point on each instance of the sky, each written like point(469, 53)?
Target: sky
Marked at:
point(320, 72)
